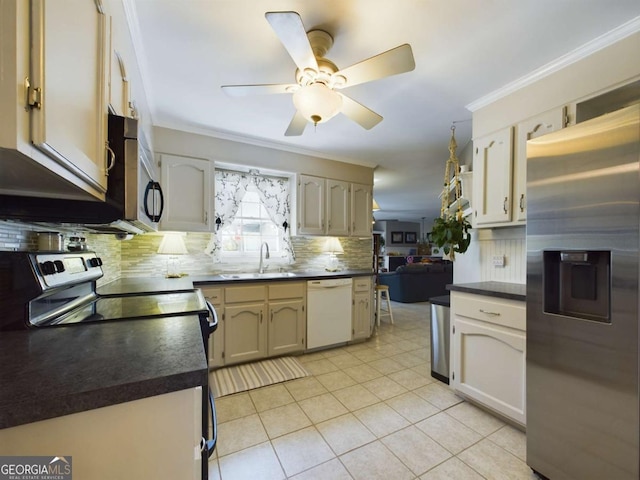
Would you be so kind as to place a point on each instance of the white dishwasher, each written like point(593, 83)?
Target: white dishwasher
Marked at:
point(328, 312)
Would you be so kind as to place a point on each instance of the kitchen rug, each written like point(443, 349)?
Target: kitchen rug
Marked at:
point(240, 378)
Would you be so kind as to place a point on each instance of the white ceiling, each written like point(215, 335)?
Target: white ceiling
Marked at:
point(464, 50)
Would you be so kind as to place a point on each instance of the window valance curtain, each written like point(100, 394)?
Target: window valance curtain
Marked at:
point(230, 188)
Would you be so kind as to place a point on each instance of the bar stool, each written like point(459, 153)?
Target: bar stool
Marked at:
point(382, 293)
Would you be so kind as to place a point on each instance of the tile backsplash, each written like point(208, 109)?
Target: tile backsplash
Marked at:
point(138, 256)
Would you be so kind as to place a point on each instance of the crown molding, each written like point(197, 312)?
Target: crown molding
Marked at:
point(589, 48)
point(259, 142)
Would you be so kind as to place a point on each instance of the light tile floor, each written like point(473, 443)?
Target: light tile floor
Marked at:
point(367, 411)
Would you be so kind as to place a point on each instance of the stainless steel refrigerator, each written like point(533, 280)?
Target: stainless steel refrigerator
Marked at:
point(583, 237)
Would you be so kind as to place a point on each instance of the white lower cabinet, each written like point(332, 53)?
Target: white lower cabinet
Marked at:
point(245, 333)
point(257, 321)
point(156, 437)
point(362, 312)
point(488, 352)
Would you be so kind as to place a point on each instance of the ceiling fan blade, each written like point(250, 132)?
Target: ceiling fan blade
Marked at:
point(359, 113)
point(290, 30)
point(243, 90)
point(296, 127)
point(392, 62)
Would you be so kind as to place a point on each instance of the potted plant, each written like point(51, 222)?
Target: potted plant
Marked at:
point(451, 234)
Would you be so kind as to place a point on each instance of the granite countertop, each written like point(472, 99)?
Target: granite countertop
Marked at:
point(510, 291)
point(51, 372)
point(145, 285)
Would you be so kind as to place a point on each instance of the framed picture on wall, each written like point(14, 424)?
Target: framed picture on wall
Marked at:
point(396, 237)
point(410, 237)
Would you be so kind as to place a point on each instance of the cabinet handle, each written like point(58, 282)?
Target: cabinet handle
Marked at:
point(271, 317)
point(522, 202)
point(486, 312)
point(329, 224)
point(260, 316)
point(504, 205)
point(112, 158)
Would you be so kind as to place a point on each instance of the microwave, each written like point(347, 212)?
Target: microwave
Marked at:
point(134, 200)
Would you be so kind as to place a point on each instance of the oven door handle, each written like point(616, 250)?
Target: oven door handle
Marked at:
point(213, 324)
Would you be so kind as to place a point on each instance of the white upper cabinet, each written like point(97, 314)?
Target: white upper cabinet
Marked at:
point(338, 202)
point(311, 208)
point(68, 86)
point(333, 207)
point(188, 189)
point(532, 128)
point(492, 165)
point(361, 214)
point(500, 169)
point(53, 95)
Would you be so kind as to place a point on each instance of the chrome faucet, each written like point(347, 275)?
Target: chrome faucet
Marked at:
point(264, 244)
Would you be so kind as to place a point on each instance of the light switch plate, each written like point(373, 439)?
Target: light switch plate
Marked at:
point(498, 260)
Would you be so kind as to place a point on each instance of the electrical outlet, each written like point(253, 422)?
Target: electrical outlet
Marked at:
point(498, 260)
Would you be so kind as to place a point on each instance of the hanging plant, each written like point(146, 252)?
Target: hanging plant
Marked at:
point(451, 235)
point(450, 232)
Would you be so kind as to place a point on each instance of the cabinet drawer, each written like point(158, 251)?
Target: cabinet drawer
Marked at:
point(499, 311)
point(361, 284)
point(284, 290)
point(214, 295)
point(249, 293)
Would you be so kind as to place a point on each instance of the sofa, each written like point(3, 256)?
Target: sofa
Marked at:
point(418, 282)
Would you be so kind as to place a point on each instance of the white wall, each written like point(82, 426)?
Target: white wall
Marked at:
point(220, 150)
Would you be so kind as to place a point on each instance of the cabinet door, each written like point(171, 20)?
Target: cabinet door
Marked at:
point(188, 189)
point(245, 333)
point(286, 327)
point(216, 340)
point(338, 208)
point(489, 365)
point(311, 208)
point(361, 213)
point(361, 315)
point(533, 128)
point(173, 419)
point(69, 70)
point(492, 164)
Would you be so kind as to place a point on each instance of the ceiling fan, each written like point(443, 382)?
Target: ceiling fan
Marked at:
point(316, 93)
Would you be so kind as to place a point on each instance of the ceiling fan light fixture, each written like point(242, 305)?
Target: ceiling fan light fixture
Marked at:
point(317, 102)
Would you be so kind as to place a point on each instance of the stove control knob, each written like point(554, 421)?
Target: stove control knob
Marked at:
point(47, 268)
point(95, 262)
point(59, 266)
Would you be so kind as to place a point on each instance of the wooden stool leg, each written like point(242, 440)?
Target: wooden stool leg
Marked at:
point(378, 302)
point(389, 307)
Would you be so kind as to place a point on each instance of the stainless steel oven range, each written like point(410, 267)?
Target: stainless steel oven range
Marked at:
point(51, 289)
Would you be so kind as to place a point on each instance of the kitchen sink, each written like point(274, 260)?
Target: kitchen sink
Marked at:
point(245, 276)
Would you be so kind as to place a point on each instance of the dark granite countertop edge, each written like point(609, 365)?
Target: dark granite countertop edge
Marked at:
point(506, 290)
point(13, 415)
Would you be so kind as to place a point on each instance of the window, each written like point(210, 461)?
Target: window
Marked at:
point(251, 209)
point(251, 226)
